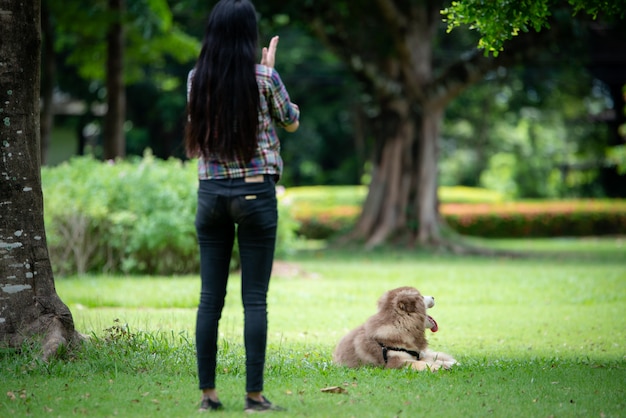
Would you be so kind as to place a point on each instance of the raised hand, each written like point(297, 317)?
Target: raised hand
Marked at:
point(268, 56)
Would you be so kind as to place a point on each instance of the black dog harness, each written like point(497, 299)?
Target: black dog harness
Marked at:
point(386, 349)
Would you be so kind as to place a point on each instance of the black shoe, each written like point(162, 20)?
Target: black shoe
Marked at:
point(207, 404)
point(263, 406)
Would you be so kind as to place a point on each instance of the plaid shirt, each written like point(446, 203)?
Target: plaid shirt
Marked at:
point(275, 108)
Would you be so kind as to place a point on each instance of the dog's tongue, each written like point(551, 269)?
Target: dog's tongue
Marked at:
point(435, 327)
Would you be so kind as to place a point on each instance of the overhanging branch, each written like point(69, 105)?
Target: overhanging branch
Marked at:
point(368, 70)
point(474, 65)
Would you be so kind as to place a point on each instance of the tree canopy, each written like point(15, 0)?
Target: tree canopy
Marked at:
point(498, 21)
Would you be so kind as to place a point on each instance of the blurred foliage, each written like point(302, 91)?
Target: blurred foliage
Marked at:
point(533, 131)
point(326, 212)
point(133, 216)
point(500, 20)
point(152, 38)
point(528, 133)
point(565, 218)
point(617, 155)
point(136, 216)
point(306, 200)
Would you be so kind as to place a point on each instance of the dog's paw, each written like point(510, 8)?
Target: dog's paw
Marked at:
point(434, 367)
point(448, 364)
point(420, 366)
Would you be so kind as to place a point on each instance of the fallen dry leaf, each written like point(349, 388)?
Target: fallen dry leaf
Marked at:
point(334, 389)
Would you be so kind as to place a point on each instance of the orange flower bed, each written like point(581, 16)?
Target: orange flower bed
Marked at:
point(538, 219)
point(509, 219)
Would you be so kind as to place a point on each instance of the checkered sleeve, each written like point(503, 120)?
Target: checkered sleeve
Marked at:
point(282, 110)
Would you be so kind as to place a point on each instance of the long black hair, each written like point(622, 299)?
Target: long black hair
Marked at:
point(224, 99)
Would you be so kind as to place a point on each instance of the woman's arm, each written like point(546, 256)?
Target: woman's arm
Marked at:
point(268, 59)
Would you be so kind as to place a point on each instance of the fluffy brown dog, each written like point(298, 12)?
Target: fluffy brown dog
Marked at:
point(394, 336)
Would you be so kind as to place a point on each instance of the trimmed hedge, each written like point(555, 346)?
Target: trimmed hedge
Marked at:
point(324, 211)
point(465, 213)
point(573, 218)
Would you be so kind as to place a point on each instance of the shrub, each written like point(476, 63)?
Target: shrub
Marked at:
point(538, 219)
point(129, 216)
point(321, 225)
point(324, 211)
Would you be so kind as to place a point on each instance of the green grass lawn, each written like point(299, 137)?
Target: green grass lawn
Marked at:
point(538, 336)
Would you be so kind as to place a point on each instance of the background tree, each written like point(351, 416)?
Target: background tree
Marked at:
point(499, 22)
point(412, 71)
point(129, 44)
point(392, 52)
point(531, 131)
point(113, 132)
point(29, 304)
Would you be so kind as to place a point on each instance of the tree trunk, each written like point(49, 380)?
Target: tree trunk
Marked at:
point(47, 82)
point(427, 203)
point(113, 130)
point(29, 304)
point(384, 210)
point(402, 203)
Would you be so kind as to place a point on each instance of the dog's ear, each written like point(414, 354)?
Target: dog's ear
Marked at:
point(407, 304)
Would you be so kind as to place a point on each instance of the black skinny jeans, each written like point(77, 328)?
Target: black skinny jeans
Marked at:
point(251, 209)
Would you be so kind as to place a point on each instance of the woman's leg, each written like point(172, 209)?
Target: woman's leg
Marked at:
point(256, 236)
point(215, 238)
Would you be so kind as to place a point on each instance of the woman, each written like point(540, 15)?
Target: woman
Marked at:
point(233, 105)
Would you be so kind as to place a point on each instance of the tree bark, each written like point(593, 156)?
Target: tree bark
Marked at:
point(113, 129)
point(427, 165)
point(47, 82)
point(384, 210)
point(29, 304)
point(402, 201)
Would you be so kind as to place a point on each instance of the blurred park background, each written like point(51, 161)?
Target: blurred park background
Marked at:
point(542, 122)
point(414, 144)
